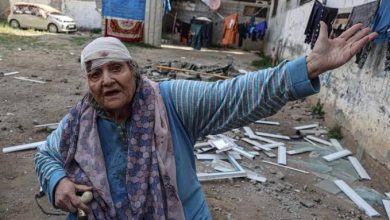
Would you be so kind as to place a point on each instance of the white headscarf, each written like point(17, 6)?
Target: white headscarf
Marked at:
point(103, 50)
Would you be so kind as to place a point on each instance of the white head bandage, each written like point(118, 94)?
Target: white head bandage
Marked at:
point(103, 50)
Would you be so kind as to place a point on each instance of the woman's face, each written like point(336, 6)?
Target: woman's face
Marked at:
point(112, 85)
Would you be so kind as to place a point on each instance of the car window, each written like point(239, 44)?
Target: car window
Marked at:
point(17, 9)
point(55, 13)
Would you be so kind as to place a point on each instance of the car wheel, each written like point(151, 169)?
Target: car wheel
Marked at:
point(52, 28)
point(14, 23)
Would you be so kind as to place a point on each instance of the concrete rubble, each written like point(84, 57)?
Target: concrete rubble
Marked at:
point(327, 160)
point(181, 69)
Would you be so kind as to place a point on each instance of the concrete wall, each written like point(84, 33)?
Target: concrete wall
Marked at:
point(153, 22)
point(357, 99)
point(84, 12)
point(4, 9)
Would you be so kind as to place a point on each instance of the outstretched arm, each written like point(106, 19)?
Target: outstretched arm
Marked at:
point(330, 54)
point(206, 108)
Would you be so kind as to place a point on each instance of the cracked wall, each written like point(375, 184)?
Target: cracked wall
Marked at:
point(357, 99)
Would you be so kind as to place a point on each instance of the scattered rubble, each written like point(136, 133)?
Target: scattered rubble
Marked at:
point(180, 69)
point(325, 161)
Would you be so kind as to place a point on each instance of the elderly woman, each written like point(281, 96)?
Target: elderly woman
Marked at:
point(130, 140)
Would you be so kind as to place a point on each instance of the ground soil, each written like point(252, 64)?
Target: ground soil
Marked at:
point(53, 58)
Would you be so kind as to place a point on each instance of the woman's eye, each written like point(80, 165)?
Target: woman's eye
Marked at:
point(94, 75)
point(116, 68)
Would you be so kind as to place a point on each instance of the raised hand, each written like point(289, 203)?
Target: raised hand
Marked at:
point(329, 54)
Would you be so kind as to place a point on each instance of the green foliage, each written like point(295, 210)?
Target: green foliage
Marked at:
point(96, 30)
point(318, 109)
point(139, 44)
point(78, 40)
point(263, 62)
point(335, 133)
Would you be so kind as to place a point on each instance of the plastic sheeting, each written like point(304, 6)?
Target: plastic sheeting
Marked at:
point(129, 9)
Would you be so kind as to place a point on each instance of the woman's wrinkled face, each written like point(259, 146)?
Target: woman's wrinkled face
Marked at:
point(112, 85)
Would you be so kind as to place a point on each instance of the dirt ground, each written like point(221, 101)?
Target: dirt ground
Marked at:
point(53, 58)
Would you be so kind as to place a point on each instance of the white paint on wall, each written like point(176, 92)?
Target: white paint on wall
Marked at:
point(357, 99)
point(83, 12)
point(346, 3)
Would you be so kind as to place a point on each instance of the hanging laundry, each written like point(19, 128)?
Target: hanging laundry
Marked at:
point(381, 23)
point(318, 13)
point(341, 21)
point(201, 31)
point(362, 56)
point(363, 14)
point(196, 31)
point(230, 29)
point(242, 32)
point(260, 29)
point(183, 29)
point(251, 28)
point(387, 62)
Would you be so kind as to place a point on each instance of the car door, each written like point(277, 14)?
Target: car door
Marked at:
point(36, 20)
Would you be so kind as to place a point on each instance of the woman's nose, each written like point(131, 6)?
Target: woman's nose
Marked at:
point(107, 77)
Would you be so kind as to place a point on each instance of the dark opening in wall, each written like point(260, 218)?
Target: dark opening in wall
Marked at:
point(275, 8)
point(255, 11)
point(304, 2)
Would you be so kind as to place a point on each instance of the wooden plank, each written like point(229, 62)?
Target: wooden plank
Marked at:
point(191, 71)
point(216, 156)
point(255, 176)
point(256, 144)
point(274, 145)
point(306, 126)
point(249, 131)
point(282, 155)
point(27, 79)
point(273, 135)
point(356, 198)
point(336, 144)
point(254, 153)
point(287, 167)
point(237, 148)
point(22, 147)
point(311, 142)
point(46, 125)
point(205, 149)
point(244, 153)
point(267, 122)
point(316, 132)
point(217, 176)
point(337, 155)
point(359, 168)
point(319, 140)
point(10, 73)
point(269, 154)
point(201, 145)
point(386, 204)
point(264, 139)
point(222, 166)
point(219, 143)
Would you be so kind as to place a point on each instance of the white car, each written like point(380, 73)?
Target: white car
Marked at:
point(40, 16)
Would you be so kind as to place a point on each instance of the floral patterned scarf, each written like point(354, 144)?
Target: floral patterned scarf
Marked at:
point(151, 169)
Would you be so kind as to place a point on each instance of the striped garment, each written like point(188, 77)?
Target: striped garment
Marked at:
point(196, 109)
point(215, 107)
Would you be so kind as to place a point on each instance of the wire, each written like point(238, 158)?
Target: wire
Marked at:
point(40, 195)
